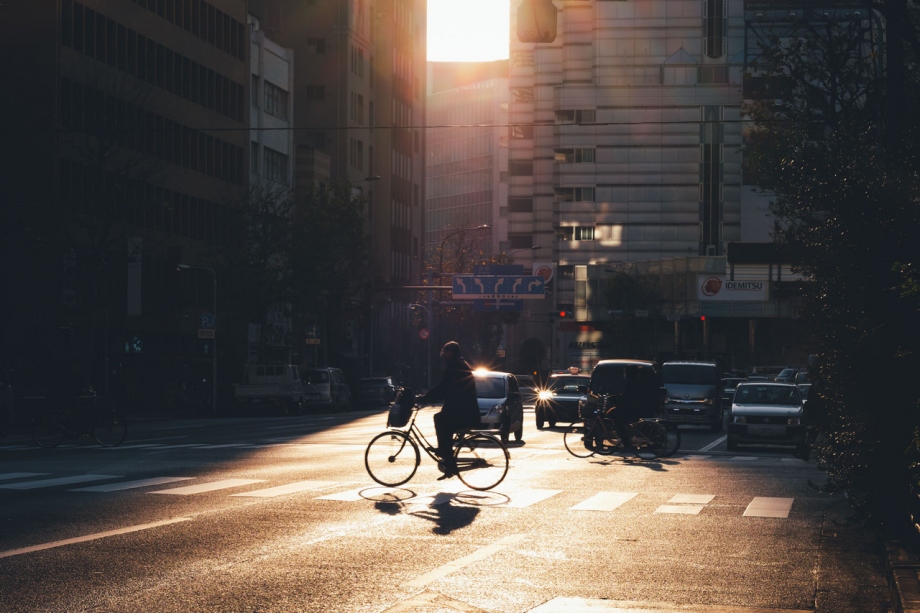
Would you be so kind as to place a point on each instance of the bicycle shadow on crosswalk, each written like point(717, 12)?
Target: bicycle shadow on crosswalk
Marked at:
point(655, 465)
point(449, 509)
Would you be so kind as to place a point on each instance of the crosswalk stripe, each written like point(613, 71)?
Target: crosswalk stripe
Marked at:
point(691, 499)
point(525, 498)
point(130, 485)
point(31, 485)
point(223, 484)
point(680, 509)
point(361, 493)
point(7, 476)
point(604, 501)
point(290, 488)
point(769, 507)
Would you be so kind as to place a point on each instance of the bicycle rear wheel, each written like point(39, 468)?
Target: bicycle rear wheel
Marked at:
point(391, 458)
point(110, 427)
point(47, 429)
point(648, 437)
point(575, 443)
point(482, 461)
point(673, 440)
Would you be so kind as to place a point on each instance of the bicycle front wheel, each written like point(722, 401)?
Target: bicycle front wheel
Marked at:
point(648, 437)
point(673, 439)
point(391, 458)
point(577, 442)
point(482, 461)
point(47, 430)
point(110, 428)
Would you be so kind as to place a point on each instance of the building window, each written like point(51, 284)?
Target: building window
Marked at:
point(255, 91)
point(316, 93)
point(520, 241)
point(574, 194)
point(576, 116)
point(357, 108)
point(356, 153)
point(276, 165)
point(520, 205)
point(715, 27)
point(574, 156)
point(357, 61)
point(254, 158)
point(712, 74)
point(522, 94)
point(316, 46)
point(522, 132)
point(575, 233)
point(520, 168)
point(276, 100)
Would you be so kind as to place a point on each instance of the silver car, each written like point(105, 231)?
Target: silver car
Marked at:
point(767, 413)
point(500, 405)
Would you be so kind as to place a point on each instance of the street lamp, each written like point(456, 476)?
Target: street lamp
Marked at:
point(534, 248)
point(213, 340)
point(412, 306)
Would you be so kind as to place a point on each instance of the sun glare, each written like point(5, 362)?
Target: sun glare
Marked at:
point(468, 30)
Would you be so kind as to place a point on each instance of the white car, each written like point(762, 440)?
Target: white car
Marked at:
point(766, 413)
point(500, 405)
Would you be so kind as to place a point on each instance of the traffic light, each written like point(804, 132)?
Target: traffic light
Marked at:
point(536, 21)
point(565, 314)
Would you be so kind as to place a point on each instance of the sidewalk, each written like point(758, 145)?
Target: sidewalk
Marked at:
point(902, 569)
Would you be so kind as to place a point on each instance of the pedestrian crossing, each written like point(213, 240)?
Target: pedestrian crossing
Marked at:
point(515, 498)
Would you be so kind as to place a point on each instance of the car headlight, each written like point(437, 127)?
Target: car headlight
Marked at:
point(498, 408)
point(794, 421)
point(707, 401)
point(544, 395)
point(739, 419)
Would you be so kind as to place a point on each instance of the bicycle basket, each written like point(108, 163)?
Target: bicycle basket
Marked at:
point(401, 408)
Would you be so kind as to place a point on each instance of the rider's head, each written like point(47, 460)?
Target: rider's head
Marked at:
point(450, 351)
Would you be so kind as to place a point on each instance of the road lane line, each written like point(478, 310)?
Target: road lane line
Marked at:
point(31, 485)
point(769, 507)
point(476, 556)
point(6, 476)
point(290, 488)
point(130, 485)
point(91, 537)
point(188, 490)
point(604, 501)
point(715, 443)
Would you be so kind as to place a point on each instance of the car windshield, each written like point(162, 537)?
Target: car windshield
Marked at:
point(375, 382)
point(689, 373)
point(314, 377)
point(613, 379)
point(786, 373)
point(568, 384)
point(768, 394)
point(490, 387)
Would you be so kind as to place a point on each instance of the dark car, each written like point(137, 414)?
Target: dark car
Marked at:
point(528, 387)
point(634, 384)
point(728, 391)
point(558, 400)
point(376, 391)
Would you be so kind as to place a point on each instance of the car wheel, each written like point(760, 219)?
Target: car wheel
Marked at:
point(518, 435)
point(731, 445)
point(803, 451)
point(504, 431)
point(552, 424)
point(541, 419)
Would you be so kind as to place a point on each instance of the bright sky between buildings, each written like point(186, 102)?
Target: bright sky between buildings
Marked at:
point(468, 30)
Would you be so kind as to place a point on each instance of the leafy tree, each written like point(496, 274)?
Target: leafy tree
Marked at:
point(833, 140)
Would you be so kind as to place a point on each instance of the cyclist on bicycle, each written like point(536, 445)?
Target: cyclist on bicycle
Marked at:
point(460, 409)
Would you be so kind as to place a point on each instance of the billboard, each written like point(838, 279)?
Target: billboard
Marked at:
point(718, 287)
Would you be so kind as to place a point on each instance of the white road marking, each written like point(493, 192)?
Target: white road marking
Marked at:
point(769, 507)
point(5, 476)
point(525, 498)
point(715, 443)
point(31, 485)
point(604, 501)
point(130, 485)
point(680, 509)
point(290, 488)
point(91, 537)
point(476, 556)
point(589, 605)
point(188, 490)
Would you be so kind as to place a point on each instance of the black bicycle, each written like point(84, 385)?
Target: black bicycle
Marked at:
point(84, 415)
point(597, 434)
point(392, 457)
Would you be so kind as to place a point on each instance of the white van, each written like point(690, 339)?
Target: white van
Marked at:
point(325, 387)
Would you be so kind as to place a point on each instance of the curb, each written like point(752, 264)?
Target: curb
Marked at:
point(902, 569)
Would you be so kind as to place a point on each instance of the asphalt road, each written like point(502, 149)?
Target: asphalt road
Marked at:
point(280, 515)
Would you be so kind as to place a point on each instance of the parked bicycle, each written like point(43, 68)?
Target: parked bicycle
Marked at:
point(392, 457)
point(597, 434)
point(84, 415)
